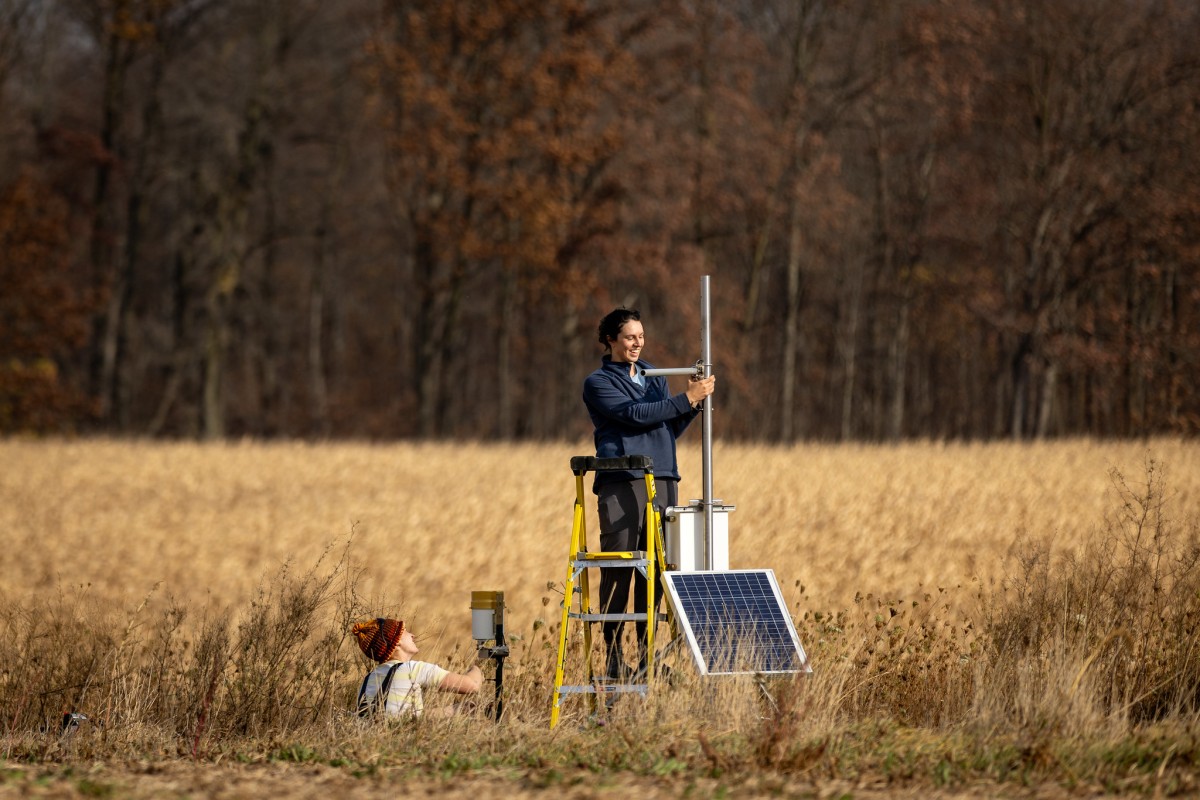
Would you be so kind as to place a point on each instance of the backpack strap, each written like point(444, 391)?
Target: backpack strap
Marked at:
point(371, 707)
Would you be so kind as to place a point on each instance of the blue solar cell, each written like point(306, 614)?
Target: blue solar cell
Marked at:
point(735, 621)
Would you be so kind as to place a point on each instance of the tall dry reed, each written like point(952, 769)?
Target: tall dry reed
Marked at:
point(1110, 632)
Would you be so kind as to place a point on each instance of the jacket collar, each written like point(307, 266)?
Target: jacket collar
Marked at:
point(621, 367)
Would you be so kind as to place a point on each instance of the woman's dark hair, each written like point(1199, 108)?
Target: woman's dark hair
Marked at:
point(610, 326)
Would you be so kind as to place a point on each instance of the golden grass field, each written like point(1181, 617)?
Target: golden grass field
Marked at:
point(205, 523)
point(118, 524)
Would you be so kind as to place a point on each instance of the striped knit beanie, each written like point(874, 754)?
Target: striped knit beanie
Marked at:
point(378, 637)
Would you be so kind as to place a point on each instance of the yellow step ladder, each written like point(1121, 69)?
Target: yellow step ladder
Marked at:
point(576, 605)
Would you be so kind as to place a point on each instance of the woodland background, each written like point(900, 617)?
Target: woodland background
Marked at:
point(394, 218)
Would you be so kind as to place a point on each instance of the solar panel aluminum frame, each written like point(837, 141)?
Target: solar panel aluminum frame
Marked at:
point(709, 663)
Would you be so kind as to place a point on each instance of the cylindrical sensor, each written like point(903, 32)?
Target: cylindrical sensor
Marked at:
point(487, 611)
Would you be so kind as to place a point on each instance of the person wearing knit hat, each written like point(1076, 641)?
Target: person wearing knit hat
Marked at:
point(377, 638)
point(396, 685)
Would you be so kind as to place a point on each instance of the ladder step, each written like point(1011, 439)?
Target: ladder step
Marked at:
point(606, 617)
point(605, 688)
point(579, 563)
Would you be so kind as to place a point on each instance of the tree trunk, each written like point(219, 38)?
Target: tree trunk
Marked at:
point(1020, 387)
point(103, 235)
point(899, 358)
point(505, 422)
point(1046, 406)
point(427, 334)
point(216, 338)
point(317, 388)
point(791, 328)
point(848, 344)
point(324, 266)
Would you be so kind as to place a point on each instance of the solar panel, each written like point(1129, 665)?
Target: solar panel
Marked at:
point(735, 621)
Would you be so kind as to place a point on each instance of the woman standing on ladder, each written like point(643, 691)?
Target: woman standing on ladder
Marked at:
point(632, 415)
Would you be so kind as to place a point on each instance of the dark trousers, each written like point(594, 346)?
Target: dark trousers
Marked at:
point(622, 512)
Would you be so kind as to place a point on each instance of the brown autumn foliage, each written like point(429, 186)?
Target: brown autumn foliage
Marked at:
point(401, 218)
point(498, 120)
point(44, 313)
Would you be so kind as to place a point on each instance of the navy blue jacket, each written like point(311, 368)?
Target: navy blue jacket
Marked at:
point(632, 421)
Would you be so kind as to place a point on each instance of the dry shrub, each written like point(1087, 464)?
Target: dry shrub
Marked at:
point(1105, 632)
point(285, 655)
point(905, 661)
point(277, 668)
point(58, 655)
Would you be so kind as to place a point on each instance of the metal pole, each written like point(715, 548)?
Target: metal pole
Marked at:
point(706, 358)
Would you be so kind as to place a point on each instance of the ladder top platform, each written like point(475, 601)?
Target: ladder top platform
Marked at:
point(582, 464)
point(610, 555)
